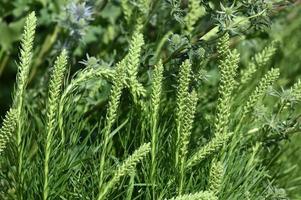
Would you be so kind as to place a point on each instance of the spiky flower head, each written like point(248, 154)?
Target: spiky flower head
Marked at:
point(261, 89)
point(254, 8)
point(8, 127)
point(209, 149)
point(26, 54)
point(126, 168)
point(204, 195)
point(223, 46)
point(91, 61)
point(216, 175)
point(227, 12)
point(262, 58)
point(227, 84)
point(296, 91)
point(259, 61)
point(188, 123)
point(226, 15)
point(76, 18)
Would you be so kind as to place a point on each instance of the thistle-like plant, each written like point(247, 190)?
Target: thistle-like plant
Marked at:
point(76, 18)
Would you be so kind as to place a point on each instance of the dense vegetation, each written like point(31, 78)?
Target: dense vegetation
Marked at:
point(150, 99)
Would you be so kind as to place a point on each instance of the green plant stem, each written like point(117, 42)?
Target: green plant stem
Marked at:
point(131, 186)
point(160, 45)
point(154, 154)
point(103, 155)
point(182, 177)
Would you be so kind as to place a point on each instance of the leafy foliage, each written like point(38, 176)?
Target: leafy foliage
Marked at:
point(180, 100)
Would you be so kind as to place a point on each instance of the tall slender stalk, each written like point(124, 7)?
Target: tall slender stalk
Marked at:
point(155, 103)
point(53, 99)
point(185, 136)
point(22, 80)
point(183, 126)
point(184, 79)
point(118, 84)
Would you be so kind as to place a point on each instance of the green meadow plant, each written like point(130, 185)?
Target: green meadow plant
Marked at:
point(174, 105)
point(52, 110)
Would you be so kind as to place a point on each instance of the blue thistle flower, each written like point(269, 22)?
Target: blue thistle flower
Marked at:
point(76, 18)
point(80, 12)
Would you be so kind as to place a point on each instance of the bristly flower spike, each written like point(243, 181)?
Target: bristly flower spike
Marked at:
point(187, 125)
point(8, 128)
point(204, 195)
point(182, 95)
point(24, 64)
point(126, 168)
point(133, 62)
point(209, 149)
point(223, 46)
point(216, 175)
point(116, 91)
point(55, 88)
point(260, 90)
point(228, 70)
point(155, 105)
point(259, 61)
